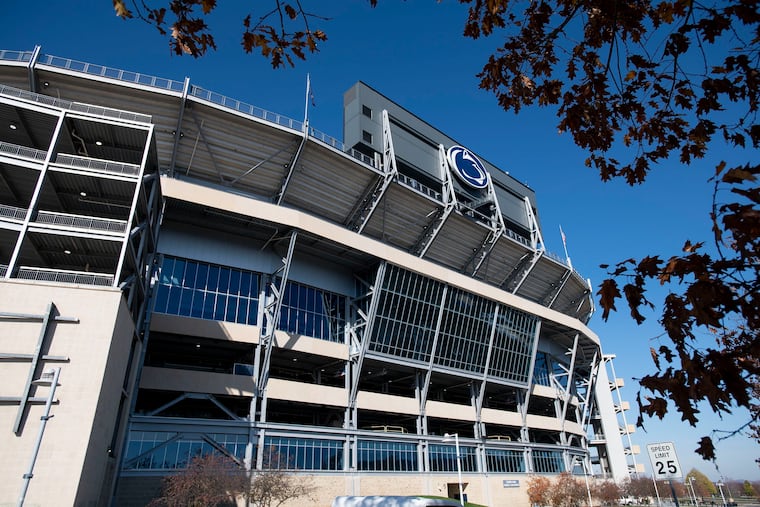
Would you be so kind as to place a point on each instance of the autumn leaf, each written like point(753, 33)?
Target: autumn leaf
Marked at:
point(121, 9)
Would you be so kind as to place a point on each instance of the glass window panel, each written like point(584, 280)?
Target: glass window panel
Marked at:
point(253, 309)
point(186, 304)
point(245, 285)
point(200, 278)
point(221, 307)
point(162, 299)
point(505, 461)
point(178, 277)
point(212, 283)
point(192, 275)
point(133, 450)
point(224, 280)
point(231, 313)
point(242, 312)
point(234, 282)
point(208, 305)
point(175, 295)
point(167, 267)
point(170, 455)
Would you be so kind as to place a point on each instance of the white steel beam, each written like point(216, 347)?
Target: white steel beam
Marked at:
point(364, 209)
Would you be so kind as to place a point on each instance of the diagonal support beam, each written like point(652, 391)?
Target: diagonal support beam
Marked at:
point(291, 169)
point(357, 356)
point(374, 193)
point(440, 215)
point(207, 145)
point(272, 316)
point(556, 288)
point(570, 377)
point(178, 130)
point(519, 274)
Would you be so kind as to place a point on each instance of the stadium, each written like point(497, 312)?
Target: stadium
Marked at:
point(185, 273)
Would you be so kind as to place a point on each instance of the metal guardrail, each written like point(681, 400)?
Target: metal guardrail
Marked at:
point(12, 212)
point(175, 86)
point(338, 145)
point(73, 106)
point(3, 269)
point(278, 119)
point(245, 108)
point(64, 276)
point(81, 222)
point(416, 185)
point(109, 72)
point(16, 56)
point(22, 151)
point(98, 165)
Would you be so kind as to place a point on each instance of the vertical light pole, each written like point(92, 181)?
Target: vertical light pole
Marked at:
point(447, 438)
point(578, 462)
point(720, 488)
point(694, 493)
point(49, 378)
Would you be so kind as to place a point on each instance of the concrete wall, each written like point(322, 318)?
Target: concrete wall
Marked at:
point(71, 468)
point(485, 490)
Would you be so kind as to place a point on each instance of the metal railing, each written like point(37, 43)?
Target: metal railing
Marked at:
point(338, 145)
point(175, 86)
point(16, 56)
point(278, 119)
point(98, 165)
point(3, 270)
point(12, 212)
point(416, 185)
point(109, 72)
point(81, 222)
point(64, 276)
point(22, 151)
point(245, 108)
point(73, 106)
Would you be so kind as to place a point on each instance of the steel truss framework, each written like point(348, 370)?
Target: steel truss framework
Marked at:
point(389, 288)
point(482, 342)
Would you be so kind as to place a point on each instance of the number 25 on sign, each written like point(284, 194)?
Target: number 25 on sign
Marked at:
point(664, 461)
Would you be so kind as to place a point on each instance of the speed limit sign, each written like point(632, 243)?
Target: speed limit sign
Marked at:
point(664, 461)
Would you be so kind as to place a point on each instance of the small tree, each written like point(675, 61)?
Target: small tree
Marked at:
point(747, 489)
point(639, 487)
point(703, 486)
point(566, 491)
point(271, 488)
point(607, 492)
point(274, 485)
point(209, 480)
point(538, 490)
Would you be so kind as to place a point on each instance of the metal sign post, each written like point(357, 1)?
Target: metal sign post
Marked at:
point(665, 465)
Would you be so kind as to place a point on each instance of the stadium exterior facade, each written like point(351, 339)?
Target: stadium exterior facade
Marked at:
point(193, 273)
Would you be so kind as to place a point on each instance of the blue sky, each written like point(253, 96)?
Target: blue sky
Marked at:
point(413, 53)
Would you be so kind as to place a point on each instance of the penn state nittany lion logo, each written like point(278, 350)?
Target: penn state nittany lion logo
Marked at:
point(467, 167)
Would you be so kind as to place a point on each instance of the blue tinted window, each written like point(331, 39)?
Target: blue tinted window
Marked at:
point(208, 305)
point(162, 298)
point(224, 281)
point(200, 279)
point(172, 305)
point(167, 272)
point(234, 282)
point(207, 291)
point(178, 273)
point(231, 315)
point(213, 278)
point(195, 300)
point(221, 307)
point(245, 285)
